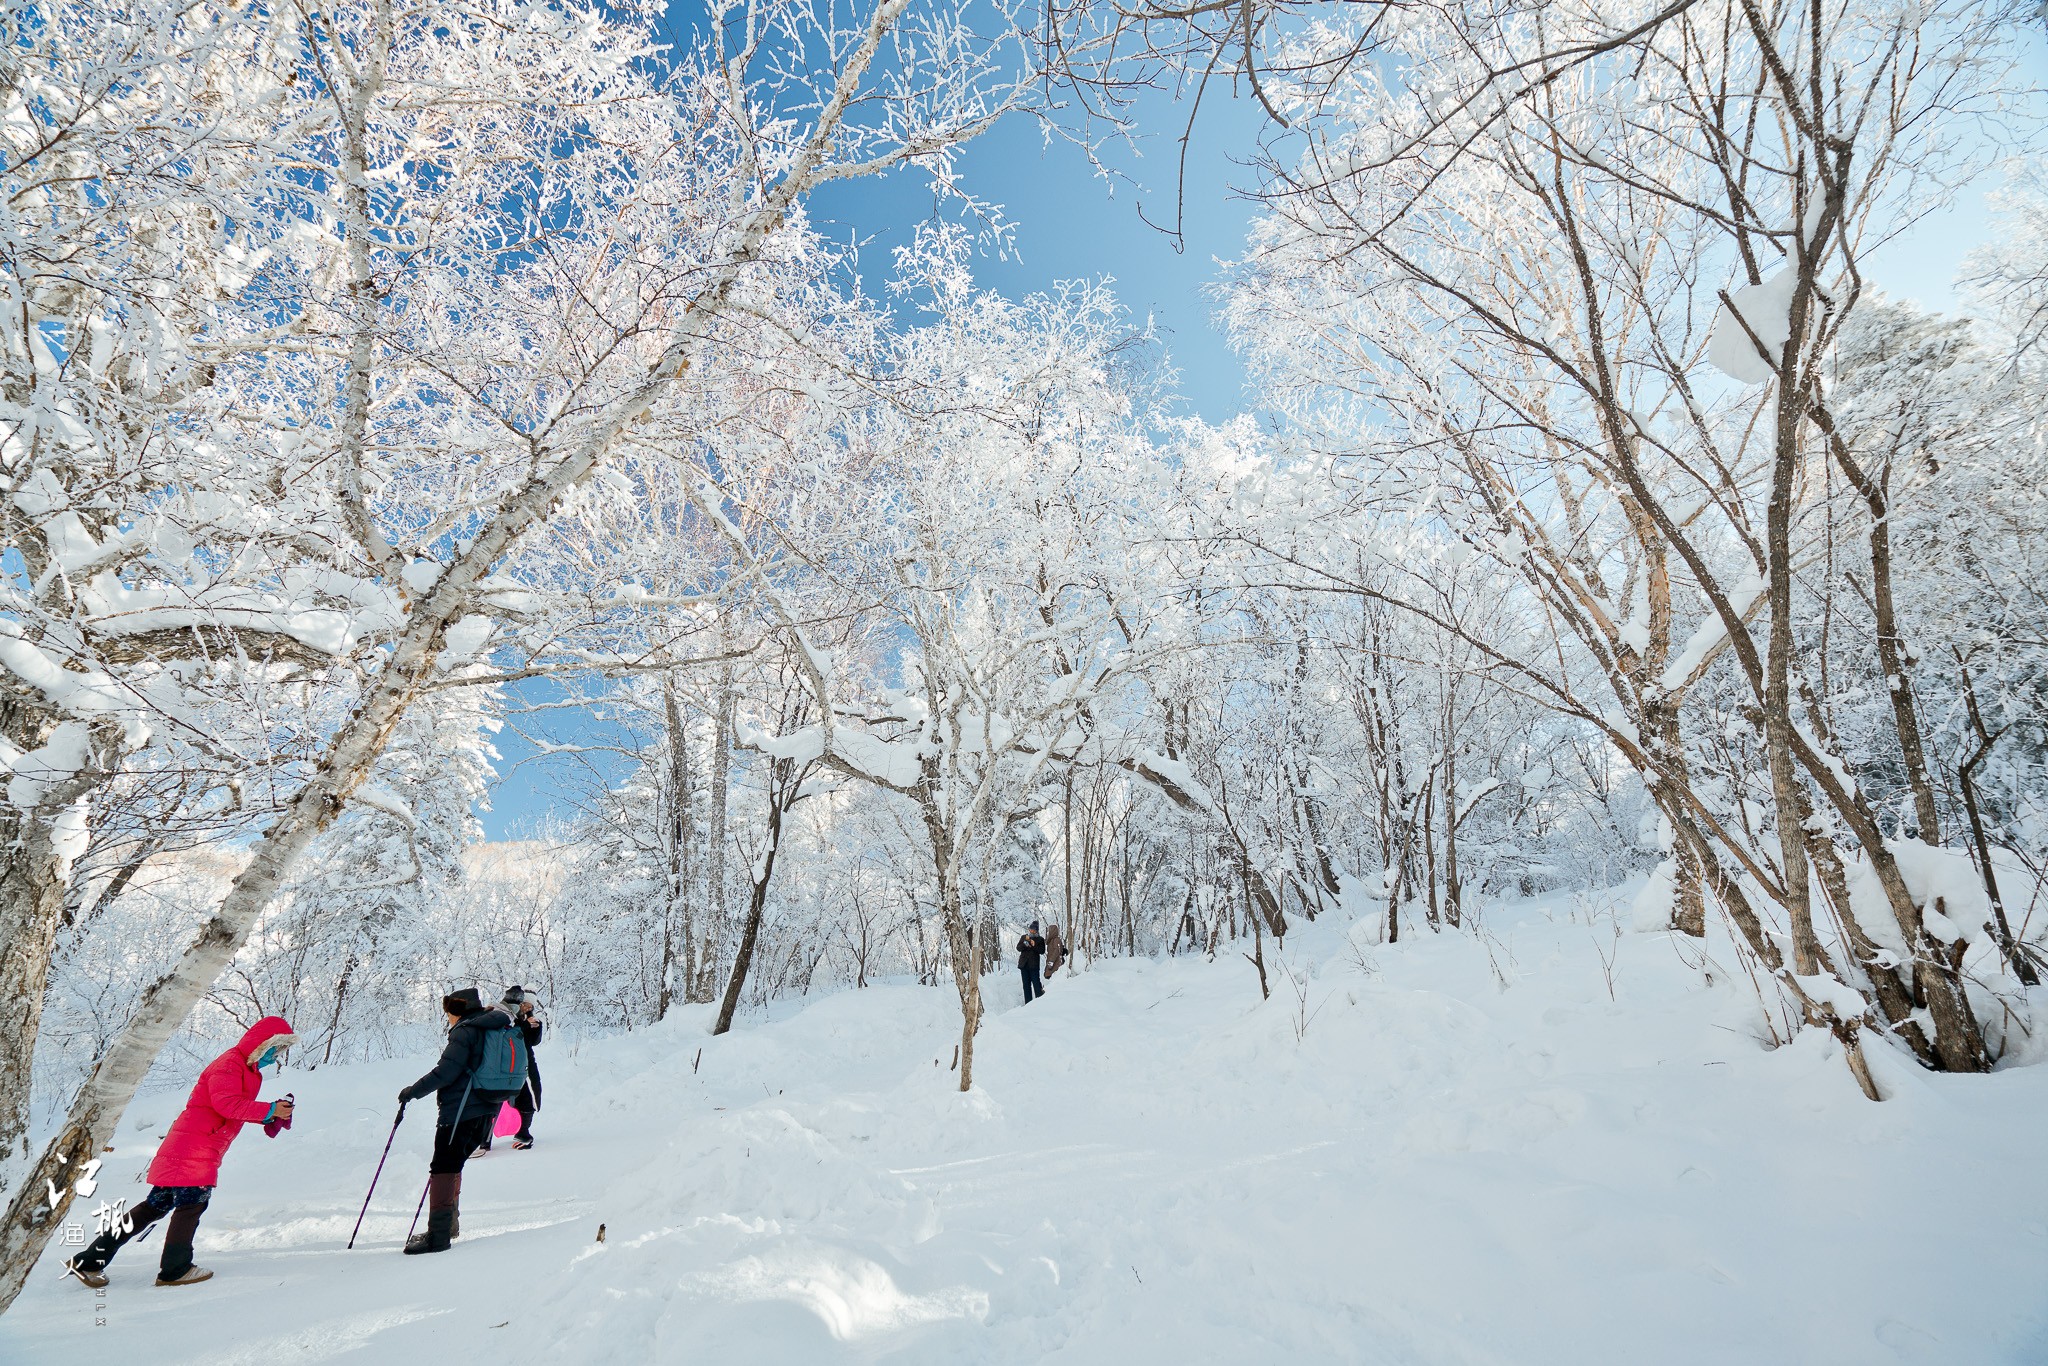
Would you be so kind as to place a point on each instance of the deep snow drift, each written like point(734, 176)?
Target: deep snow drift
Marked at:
point(1468, 1154)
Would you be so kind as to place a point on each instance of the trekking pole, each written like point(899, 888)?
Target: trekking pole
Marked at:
point(417, 1208)
point(373, 1179)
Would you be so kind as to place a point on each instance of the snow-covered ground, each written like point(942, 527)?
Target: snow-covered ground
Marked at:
point(1154, 1167)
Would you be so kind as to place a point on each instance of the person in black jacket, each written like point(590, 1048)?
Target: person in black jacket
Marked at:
point(1029, 949)
point(521, 1003)
point(465, 1112)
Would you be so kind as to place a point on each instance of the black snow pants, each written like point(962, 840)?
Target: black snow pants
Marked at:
point(1032, 986)
point(184, 1205)
point(453, 1143)
point(523, 1103)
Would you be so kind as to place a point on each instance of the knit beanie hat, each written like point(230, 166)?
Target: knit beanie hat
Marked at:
point(1034, 925)
point(514, 994)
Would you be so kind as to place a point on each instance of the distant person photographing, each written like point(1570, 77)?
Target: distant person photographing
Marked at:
point(1030, 948)
point(523, 1007)
point(482, 1066)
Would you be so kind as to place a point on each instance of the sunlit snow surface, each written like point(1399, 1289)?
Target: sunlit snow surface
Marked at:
point(1153, 1168)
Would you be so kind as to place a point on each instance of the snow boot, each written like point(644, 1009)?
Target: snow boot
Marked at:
point(441, 1196)
point(87, 1273)
point(521, 1144)
point(90, 1266)
point(175, 1267)
point(190, 1275)
point(435, 1238)
point(455, 1225)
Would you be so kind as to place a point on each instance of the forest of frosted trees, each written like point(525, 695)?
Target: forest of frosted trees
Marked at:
point(377, 383)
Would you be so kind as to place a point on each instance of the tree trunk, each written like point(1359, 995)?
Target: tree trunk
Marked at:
point(31, 902)
point(676, 839)
point(1891, 653)
point(1688, 903)
point(1257, 956)
point(1893, 997)
point(1958, 1040)
point(2017, 957)
point(1429, 850)
point(757, 903)
point(1124, 894)
point(341, 986)
point(1067, 858)
point(966, 973)
point(1728, 892)
point(1777, 694)
point(100, 1102)
point(713, 935)
point(1453, 891)
point(1297, 772)
point(960, 936)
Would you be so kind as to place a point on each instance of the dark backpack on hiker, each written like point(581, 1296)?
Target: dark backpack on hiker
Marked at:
point(503, 1064)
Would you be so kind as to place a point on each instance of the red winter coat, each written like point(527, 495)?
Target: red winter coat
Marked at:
point(221, 1103)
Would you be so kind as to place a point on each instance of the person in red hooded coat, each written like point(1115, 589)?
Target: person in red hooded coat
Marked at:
point(187, 1166)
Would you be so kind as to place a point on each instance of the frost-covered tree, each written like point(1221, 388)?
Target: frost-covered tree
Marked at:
point(147, 602)
point(1584, 349)
point(1009, 484)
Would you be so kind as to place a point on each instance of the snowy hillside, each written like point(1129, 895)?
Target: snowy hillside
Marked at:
point(1468, 1154)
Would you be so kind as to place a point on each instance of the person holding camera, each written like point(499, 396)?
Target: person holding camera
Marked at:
point(1030, 948)
point(523, 1007)
point(519, 1007)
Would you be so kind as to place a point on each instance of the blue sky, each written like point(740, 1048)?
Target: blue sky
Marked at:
point(1071, 223)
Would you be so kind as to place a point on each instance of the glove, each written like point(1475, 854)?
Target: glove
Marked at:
point(275, 1123)
point(404, 1096)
